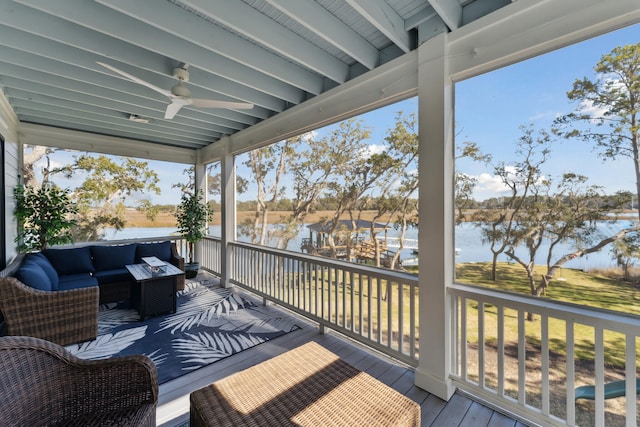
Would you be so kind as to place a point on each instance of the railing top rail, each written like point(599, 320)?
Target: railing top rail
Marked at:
point(557, 309)
point(382, 273)
point(119, 242)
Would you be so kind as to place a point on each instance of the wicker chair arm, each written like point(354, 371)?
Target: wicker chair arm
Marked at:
point(178, 261)
point(63, 317)
point(71, 388)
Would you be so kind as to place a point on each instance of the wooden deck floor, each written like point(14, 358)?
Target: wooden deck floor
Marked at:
point(173, 405)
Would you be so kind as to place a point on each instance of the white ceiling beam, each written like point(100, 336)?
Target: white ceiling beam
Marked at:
point(97, 120)
point(528, 28)
point(181, 23)
point(84, 141)
point(134, 137)
point(450, 11)
point(23, 65)
point(258, 27)
point(420, 17)
point(21, 98)
point(99, 18)
point(33, 30)
point(318, 20)
point(30, 80)
point(391, 82)
point(385, 19)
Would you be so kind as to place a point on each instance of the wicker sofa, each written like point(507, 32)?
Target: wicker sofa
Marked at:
point(55, 294)
point(43, 384)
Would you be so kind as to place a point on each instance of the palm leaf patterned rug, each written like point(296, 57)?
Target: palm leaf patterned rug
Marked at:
point(210, 323)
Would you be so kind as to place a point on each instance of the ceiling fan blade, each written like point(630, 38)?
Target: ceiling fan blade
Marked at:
point(172, 110)
point(210, 103)
point(137, 80)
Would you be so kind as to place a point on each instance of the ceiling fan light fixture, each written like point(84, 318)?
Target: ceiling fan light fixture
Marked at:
point(138, 119)
point(181, 90)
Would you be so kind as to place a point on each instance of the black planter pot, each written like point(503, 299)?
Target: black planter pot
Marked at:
point(191, 270)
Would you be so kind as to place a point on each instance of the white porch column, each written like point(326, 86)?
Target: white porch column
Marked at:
point(228, 213)
point(436, 168)
point(201, 184)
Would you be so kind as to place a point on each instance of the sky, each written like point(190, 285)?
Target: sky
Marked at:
point(490, 109)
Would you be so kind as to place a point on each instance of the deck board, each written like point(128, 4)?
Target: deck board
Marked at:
point(173, 402)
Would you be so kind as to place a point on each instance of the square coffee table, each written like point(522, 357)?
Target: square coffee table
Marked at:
point(155, 290)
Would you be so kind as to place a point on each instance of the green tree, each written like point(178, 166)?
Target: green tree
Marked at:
point(268, 166)
point(399, 197)
point(102, 194)
point(192, 216)
point(520, 178)
point(465, 184)
point(100, 197)
point(607, 114)
point(43, 217)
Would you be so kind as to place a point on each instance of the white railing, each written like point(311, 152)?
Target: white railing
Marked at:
point(374, 306)
point(211, 255)
point(532, 367)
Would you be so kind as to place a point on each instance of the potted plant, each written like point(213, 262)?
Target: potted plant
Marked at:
point(43, 216)
point(192, 215)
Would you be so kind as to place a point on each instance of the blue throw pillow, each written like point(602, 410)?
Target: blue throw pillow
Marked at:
point(32, 275)
point(44, 263)
point(70, 261)
point(161, 250)
point(113, 257)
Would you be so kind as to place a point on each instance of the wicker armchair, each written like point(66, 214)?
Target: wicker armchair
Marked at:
point(63, 317)
point(41, 383)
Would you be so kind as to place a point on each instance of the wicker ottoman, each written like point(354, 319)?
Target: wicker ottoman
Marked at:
point(307, 386)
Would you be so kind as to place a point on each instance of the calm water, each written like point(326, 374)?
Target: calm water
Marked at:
point(468, 239)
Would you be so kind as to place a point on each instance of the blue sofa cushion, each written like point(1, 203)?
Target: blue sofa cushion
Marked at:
point(75, 281)
point(116, 275)
point(70, 261)
point(113, 257)
point(161, 250)
point(44, 263)
point(32, 275)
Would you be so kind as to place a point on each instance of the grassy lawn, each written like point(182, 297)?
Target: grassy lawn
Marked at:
point(570, 286)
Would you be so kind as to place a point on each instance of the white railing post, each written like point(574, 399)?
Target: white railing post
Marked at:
point(228, 215)
point(200, 176)
point(436, 171)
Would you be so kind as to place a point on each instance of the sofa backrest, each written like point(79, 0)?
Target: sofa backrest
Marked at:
point(71, 261)
point(160, 250)
point(113, 257)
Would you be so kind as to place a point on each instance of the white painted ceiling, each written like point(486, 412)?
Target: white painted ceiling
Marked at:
point(274, 54)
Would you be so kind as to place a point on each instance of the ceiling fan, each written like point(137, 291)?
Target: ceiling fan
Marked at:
point(180, 95)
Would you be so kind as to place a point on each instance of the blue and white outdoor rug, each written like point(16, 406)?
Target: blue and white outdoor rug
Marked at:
point(211, 323)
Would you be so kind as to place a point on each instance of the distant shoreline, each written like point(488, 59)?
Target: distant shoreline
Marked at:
point(167, 219)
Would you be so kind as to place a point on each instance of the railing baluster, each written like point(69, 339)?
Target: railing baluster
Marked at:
point(544, 349)
point(379, 311)
point(463, 339)
point(522, 356)
point(500, 349)
point(369, 307)
point(630, 376)
point(389, 312)
point(481, 346)
point(400, 328)
point(570, 369)
point(599, 379)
